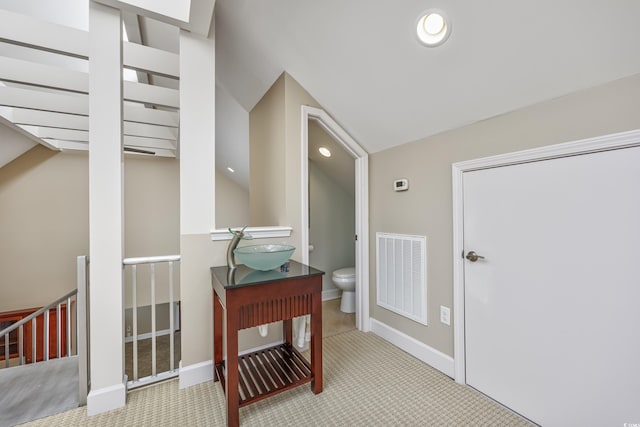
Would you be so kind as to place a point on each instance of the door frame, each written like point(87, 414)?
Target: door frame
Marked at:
point(361, 158)
point(584, 146)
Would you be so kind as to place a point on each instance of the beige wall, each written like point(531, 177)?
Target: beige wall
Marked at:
point(426, 209)
point(295, 97)
point(199, 250)
point(44, 226)
point(44, 222)
point(232, 202)
point(151, 200)
point(152, 221)
point(275, 154)
point(267, 158)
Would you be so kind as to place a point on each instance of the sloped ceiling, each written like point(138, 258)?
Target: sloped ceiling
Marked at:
point(44, 79)
point(360, 58)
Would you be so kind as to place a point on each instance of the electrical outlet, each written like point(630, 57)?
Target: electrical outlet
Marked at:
point(445, 315)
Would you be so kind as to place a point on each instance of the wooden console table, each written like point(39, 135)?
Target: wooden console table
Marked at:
point(249, 298)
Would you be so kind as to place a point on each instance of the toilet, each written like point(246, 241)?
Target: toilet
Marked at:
point(345, 279)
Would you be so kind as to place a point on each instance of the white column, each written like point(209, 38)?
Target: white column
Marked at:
point(197, 133)
point(197, 199)
point(108, 390)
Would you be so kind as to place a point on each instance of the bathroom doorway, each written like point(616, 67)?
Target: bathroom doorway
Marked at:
point(336, 237)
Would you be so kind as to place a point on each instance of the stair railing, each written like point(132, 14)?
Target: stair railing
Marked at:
point(46, 325)
point(79, 295)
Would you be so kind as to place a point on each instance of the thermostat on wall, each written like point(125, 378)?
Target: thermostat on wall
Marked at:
point(401, 184)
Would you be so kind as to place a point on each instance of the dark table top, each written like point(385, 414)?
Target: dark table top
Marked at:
point(245, 276)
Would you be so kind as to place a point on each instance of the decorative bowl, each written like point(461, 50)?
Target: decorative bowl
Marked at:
point(264, 257)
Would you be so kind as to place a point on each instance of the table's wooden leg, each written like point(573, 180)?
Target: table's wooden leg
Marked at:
point(316, 342)
point(287, 331)
point(217, 333)
point(233, 395)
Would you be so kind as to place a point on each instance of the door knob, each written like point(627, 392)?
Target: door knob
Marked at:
point(473, 257)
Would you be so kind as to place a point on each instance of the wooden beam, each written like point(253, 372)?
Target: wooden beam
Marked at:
point(150, 131)
point(137, 141)
point(83, 146)
point(151, 60)
point(139, 114)
point(69, 145)
point(83, 136)
point(46, 101)
point(10, 124)
point(78, 104)
point(23, 116)
point(55, 133)
point(34, 33)
point(32, 73)
point(155, 95)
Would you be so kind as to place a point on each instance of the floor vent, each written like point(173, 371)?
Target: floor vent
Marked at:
point(402, 274)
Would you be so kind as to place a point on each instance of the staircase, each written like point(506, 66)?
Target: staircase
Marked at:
point(51, 358)
point(29, 392)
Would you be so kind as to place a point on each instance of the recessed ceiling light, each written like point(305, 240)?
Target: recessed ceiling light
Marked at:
point(231, 170)
point(324, 151)
point(433, 28)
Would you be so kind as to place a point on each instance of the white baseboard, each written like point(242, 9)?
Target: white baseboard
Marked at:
point(107, 398)
point(417, 349)
point(196, 374)
point(331, 294)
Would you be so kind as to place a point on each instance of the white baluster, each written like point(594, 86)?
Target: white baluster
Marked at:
point(153, 320)
point(171, 319)
point(134, 314)
point(46, 335)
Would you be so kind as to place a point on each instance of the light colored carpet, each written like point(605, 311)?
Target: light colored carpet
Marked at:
point(367, 382)
point(144, 356)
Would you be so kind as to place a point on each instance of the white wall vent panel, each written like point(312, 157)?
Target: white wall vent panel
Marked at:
point(402, 274)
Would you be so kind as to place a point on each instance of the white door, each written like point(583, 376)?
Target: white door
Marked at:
point(552, 312)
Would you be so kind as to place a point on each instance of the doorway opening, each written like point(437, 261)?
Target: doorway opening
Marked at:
point(361, 192)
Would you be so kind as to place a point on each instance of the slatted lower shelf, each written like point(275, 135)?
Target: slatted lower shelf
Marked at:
point(267, 372)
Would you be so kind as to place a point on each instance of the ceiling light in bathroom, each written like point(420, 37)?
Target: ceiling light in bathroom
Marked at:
point(433, 28)
point(324, 151)
point(230, 169)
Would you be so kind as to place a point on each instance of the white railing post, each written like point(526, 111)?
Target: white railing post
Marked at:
point(45, 332)
point(34, 353)
point(82, 347)
point(153, 320)
point(134, 314)
point(58, 331)
point(171, 319)
point(21, 345)
point(69, 324)
point(6, 351)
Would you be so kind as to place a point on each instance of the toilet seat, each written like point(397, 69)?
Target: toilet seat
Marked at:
point(345, 273)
